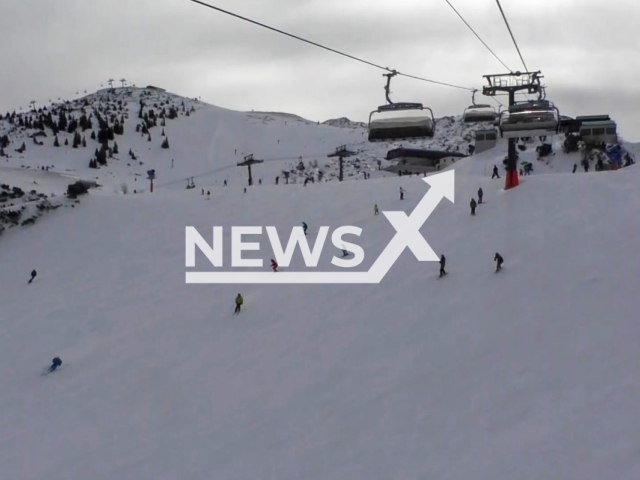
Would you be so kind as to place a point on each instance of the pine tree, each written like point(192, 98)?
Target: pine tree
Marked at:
point(165, 143)
point(84, 142)
point(93, 135)
point(56, 143)
point(162, 132)
point(66, 142)
point(115, 148)
point(149, 138)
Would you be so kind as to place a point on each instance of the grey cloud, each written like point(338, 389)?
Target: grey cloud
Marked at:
point(588, 52)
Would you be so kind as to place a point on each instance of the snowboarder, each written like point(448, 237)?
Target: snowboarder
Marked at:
point(480, 193)
point(375, 210)
point(274, 265)
point(473, 206)
point(33, 275)
point(239, 302)
point(495, 172)
point(304, 227)
point(442, 262)
point(55, 363)
point(401, 193)
point(499, 261)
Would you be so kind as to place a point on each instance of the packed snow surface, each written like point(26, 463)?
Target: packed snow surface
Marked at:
point(528, 374)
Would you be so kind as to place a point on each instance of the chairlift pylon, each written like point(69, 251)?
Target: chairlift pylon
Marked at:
point(394, 127)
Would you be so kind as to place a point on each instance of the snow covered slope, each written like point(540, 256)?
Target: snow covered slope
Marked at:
point(205, 142)
point(527, 374)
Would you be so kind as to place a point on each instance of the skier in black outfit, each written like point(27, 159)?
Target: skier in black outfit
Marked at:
point(33, 275)
point(473, 206)
point(498, 258)
point(442, 262)
point(55, 363)
point(480, 194)
point(304, 227)
point(495, 172)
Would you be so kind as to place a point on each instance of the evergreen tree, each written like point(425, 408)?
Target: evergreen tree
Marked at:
point(93, 135)
point(56, 143)
point(66, 142)
point(84, 142)
point(115, 148)
point(165, 143)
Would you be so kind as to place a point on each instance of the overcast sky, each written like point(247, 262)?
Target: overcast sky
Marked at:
point(588, 51)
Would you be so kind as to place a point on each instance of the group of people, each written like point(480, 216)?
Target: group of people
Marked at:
point(497, 258)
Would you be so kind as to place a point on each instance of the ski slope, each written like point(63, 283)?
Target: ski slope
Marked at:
point(529, 374)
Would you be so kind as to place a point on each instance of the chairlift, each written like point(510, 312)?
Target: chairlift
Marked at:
point(478, 113)
point(399, 119)
point(532, 118)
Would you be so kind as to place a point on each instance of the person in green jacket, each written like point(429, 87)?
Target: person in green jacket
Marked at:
point(239, 301)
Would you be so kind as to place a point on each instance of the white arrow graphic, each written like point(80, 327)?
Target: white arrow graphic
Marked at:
point(407, 235)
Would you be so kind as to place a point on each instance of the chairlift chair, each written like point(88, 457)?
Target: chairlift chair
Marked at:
point(533, 118)
point(392, 126)
point(478, 113)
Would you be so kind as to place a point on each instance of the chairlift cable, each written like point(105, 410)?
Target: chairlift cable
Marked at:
point(324, 47)
point(478, 36)
point(511, 33)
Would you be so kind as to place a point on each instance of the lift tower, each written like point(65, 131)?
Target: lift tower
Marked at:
point(512, 83)
point(248, 161)
point(341, 152)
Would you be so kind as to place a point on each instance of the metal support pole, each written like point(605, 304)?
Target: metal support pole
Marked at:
point(511, 178)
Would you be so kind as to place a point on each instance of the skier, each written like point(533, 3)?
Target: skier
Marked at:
point(202, 192)
point(473, 206)
point(245, 189)
point(239, 302)
point(172, 163)
point(575, 167)
point(225, 183)
point(498, 258)
point(401, 193)
point(304, 227)
point(55, 363)
point(375, 210)
point(480, 193)
point(442, 262)
point(274, 265)
point(208, 194)
point(345, 253)
point(33, 275)
point(495, 172)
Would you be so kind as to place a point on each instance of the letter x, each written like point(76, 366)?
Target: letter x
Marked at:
point(408, 235)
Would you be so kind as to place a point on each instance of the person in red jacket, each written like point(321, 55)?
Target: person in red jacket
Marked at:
point(274, 265)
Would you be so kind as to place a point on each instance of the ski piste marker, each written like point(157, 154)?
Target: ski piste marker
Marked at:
point(407, 235)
